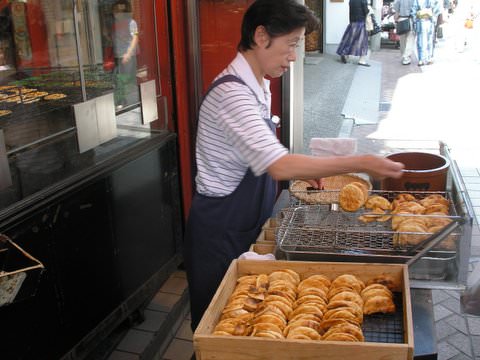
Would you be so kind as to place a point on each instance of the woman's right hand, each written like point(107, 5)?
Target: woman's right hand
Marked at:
point(316, 183)
point(380, 167)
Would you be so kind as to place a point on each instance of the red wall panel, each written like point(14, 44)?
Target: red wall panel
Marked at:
point(220, 24)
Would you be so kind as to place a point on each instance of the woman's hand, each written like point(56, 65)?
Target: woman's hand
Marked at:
point(380, 168)
point(126, 58)
point(316, 183)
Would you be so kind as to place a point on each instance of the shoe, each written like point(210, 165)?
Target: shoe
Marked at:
point(429, 62)
point(420, 63)
point(406, 61)
point(363, 64)
point(344, 59)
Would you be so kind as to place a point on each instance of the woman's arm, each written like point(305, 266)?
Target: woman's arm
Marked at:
point(297, 166)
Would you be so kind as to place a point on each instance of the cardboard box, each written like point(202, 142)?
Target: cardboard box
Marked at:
point(270, 228)
point(209, 347)
point(263, 249)
point(262, 239)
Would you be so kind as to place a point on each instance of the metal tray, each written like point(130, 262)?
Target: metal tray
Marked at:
point(323, 232)
point(438, 265)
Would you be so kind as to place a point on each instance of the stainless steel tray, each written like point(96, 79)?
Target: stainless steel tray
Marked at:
point(324, 232)
point(438, 265)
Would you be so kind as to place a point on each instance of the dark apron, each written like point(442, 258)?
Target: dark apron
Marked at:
point(220, 229)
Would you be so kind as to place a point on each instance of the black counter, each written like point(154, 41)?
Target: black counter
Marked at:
point(109, 233)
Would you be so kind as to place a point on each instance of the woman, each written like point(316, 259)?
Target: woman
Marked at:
point(237, 152)
point(355, 38)
point(425, 14)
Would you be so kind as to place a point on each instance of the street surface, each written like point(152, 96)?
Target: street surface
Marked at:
point(441, 102)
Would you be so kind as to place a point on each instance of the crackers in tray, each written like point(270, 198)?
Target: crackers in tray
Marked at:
point(413, 220)
point(5, 112)
point(57, 96)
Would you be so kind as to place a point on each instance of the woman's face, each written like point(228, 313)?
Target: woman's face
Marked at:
point(277, 53)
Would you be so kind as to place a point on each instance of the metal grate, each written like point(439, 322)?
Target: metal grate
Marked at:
point(317, 228)
point(385, 328)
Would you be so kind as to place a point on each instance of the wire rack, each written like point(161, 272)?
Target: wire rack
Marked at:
point(325, 227)
point(21, 98)
point(385, 328)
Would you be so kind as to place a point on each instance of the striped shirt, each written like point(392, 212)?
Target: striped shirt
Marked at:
point(232, 133)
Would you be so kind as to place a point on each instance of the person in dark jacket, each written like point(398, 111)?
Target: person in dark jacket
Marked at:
point(355, 39)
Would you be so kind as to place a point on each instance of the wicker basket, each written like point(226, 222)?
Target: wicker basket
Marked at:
point(331, 186)
point(311, 41)
point(19, 272)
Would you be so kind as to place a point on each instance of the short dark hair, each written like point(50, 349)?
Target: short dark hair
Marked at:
point(279, 17)
point(123, 5)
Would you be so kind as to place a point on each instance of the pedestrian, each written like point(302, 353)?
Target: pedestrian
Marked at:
point(238, 155)
point(425, 14)
point(407, 40)
point(125, 47)
point(355, 38)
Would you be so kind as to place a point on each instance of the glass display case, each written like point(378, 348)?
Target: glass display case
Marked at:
point(59, 56)
point(88, 167)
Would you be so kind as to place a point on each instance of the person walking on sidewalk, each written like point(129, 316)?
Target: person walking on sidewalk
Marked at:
point(407, 41)
point(355, 38)
point(425, 14)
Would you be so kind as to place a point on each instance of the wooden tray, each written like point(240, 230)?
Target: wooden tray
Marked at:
point(209, 347)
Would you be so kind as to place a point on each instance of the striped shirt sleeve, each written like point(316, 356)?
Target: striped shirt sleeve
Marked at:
point(240, 118)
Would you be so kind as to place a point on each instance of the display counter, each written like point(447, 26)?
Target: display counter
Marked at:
point(107, 227)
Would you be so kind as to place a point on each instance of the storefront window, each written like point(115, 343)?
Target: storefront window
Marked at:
point(41, 57)
point(57, 54)
point(39, 73)
point(120, 50)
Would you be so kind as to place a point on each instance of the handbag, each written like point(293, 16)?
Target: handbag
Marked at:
point(403, 26)
point(376, 28)
point(440, 32)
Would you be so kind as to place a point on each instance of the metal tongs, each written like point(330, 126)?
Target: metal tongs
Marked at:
point(421, 248)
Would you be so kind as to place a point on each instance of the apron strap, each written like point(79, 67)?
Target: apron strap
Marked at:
point(229, 78)
point(224, 79)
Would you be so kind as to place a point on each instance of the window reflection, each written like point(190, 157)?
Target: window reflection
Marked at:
point(128, 46)
point(125, 47)
point(51, 59)
point(39, 74)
